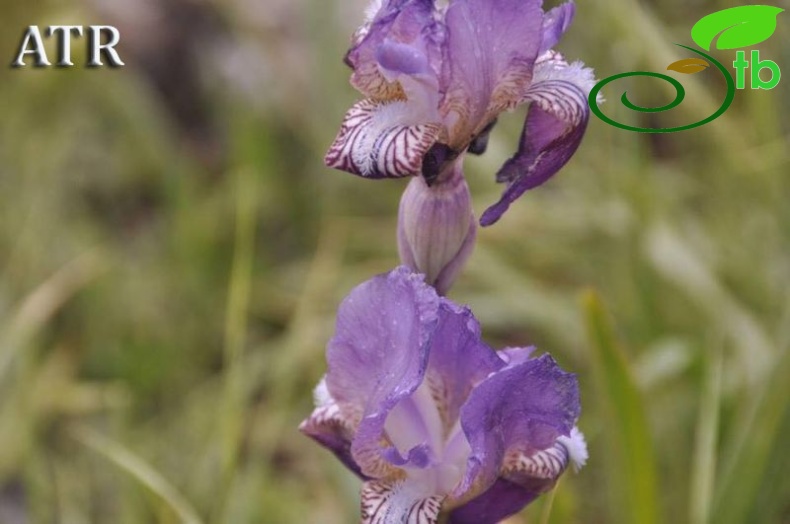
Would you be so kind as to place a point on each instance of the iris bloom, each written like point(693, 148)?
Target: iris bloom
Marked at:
point(436, 74)
point(431, 418)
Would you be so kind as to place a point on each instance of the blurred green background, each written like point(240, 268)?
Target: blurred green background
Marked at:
point(172, 252)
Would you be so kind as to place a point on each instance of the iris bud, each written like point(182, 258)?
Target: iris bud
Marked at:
point(436, 227)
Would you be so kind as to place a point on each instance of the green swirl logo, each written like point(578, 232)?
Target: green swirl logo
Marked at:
point(729, 29)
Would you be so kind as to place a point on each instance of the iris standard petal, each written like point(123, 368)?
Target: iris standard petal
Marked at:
point(556, 122)
point(522, 408)
point(459, 360)
point(491, 48)
point(382, 140)
point(378, 356)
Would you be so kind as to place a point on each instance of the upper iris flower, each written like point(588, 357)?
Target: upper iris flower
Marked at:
point(437, 74)
point(432, 418)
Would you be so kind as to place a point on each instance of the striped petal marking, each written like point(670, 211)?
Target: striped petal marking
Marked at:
point(397, 502)
point(375, 141)
point(561, 98)
point(560, 89)
point(545, 464)
point(555, 124)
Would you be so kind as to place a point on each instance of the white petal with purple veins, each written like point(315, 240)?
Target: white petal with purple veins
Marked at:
point(398, 502)
point(547, 463)
point(381, 141)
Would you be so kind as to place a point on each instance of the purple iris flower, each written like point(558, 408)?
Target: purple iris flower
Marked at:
point(436, 74)
point(431, 418)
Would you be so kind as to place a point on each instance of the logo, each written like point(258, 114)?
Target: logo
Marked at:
point(731, 28)
point(33, 44)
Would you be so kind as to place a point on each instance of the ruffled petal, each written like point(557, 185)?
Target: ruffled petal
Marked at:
point(378, 140)
point(490, 52)
point(378, 357)
point(401, 501)
point(553, 130)
point(523, 409)
point(380, 335)
point(459, 360)
point(400, 37)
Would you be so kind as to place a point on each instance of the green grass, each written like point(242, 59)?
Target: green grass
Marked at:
point(164, 309)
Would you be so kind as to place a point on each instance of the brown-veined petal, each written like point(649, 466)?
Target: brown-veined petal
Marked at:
point(382, 140)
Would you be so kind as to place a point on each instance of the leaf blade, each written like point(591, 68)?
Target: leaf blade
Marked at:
point(625, 416)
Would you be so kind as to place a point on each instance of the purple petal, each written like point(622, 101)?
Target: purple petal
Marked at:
point(379, 354)
point(515, 356)
point(501, 500)
point(555, 22)
point(402, 38)
point(491, 49)
point(401, 501)
point(329, 427)
point(459, 360)
point(553, 130)
point(523, 478)
point(382, 141)
point(523, 408)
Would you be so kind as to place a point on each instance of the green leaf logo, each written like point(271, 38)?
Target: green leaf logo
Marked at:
point(738, 26)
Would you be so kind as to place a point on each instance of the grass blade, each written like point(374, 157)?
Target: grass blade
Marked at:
point(704, 467)
point(626, 429)
point(139, 469)
point(745, 474)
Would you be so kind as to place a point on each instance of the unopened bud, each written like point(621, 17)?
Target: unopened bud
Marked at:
point(436, 227)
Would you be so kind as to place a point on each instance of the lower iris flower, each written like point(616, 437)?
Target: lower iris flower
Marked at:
point(432, 419)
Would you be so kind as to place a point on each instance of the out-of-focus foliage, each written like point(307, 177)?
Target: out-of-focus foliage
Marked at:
point(172, 252)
